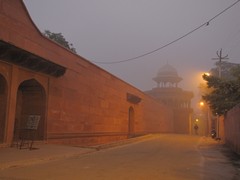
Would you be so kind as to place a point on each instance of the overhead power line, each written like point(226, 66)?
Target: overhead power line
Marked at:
point(170, 43)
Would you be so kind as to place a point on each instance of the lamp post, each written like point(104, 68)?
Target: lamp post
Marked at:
point(206, 114)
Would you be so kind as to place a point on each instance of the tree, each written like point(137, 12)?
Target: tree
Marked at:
point(226, 70)
point(225, 93)
point(227, 73)
point(59, 38)
point(236, 72)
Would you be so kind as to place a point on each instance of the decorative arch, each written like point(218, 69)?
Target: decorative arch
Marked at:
point(3, 107)
point(31, 100)
point(130, 122)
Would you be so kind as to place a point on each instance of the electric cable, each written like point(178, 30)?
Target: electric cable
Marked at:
point(170, 43)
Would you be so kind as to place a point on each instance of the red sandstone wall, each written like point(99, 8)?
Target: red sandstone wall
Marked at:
point(91, 109)
point(94, 104)
point(156, 117)
point(182, 121)
point(87, 105)
point(232, 129)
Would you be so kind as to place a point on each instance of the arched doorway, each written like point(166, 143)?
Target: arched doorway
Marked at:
point(31, 101)
point(131, 122)
point(3, 107)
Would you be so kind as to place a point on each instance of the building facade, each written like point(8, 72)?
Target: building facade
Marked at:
point(74, 101)
point(168, 92)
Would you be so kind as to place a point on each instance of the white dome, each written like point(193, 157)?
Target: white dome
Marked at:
point(167, 70)
point(167, 74)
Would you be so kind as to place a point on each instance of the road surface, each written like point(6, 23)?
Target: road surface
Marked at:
point(161, 157)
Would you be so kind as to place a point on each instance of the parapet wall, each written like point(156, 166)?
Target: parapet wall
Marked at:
point(232, 129)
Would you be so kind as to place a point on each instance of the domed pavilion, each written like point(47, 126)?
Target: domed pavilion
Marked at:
point(179, 100)
point(167, 77)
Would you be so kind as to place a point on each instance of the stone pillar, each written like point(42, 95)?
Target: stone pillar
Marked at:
point(11, 109)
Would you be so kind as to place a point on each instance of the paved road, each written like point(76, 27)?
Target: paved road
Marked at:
point(162, 157)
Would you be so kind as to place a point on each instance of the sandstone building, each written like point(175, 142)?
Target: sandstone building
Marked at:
point(168, 92)
point(75, 101)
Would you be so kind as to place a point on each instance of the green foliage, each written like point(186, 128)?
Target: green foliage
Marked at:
point(225, 94)
point(59, 38)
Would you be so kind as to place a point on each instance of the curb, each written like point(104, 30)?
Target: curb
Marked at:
point(32, 161)
point(123, 142)
point(22, 163)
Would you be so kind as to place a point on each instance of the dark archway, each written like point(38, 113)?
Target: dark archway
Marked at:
point(31, 101)
point(3, 107)
point(131, 122)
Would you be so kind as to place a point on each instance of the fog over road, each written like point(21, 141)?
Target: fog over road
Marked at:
point(164, 156)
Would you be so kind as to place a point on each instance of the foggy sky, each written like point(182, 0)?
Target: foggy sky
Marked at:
point(115, 30)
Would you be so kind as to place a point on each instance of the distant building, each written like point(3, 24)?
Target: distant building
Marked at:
point(168, 92)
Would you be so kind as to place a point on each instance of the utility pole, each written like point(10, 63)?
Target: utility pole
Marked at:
point(219, 58)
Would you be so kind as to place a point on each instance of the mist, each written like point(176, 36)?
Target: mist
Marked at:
point(109, 31)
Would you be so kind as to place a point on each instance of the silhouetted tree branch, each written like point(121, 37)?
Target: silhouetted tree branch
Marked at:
point(59, 38)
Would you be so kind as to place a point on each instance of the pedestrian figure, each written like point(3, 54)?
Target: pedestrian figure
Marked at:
point(196, 129)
